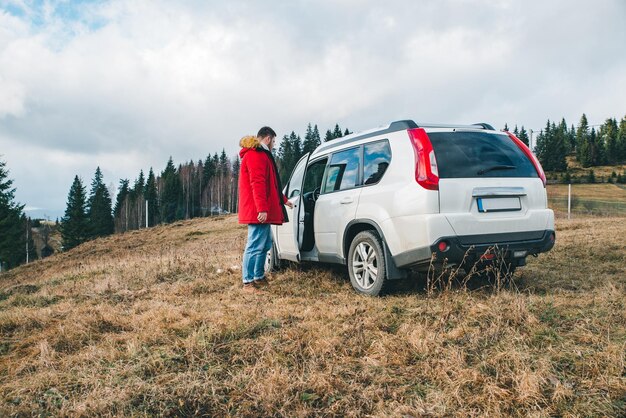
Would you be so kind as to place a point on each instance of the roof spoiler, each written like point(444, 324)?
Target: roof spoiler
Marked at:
point(409, 124)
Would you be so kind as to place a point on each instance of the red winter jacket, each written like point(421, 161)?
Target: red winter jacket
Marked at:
point(258, 185)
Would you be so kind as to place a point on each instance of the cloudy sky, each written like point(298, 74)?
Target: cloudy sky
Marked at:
point(125, 84)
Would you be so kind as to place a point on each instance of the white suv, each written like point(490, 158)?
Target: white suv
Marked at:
point(397, 198)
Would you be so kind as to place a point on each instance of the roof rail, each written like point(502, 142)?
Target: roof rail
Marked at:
point(485, 126)
point(456, 126)
point(398, 125)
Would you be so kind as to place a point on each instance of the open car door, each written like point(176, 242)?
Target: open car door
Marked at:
point(288, 236)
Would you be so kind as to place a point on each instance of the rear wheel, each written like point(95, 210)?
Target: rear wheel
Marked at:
point(272, 263)
point(367, 264)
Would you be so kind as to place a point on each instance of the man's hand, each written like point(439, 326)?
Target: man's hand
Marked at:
point(289, 204)
point(262, 217)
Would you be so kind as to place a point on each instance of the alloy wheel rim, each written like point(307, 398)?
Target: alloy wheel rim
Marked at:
point(365, 265)
point(268, 261)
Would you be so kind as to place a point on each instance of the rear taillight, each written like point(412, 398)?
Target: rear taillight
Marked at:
point(426, 172)
point(530, 155)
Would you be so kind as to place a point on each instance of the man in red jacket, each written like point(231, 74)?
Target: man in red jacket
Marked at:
point(261, 204)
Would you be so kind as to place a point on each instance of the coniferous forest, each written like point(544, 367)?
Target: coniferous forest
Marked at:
point(208, 186)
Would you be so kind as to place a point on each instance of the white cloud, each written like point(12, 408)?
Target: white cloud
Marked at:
point(124, 85)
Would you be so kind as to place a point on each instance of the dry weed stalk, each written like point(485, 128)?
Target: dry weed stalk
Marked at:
point(498, 272)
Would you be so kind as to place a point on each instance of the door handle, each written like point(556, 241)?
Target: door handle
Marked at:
point(346, 200)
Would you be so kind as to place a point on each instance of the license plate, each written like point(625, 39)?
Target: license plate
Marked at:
point(498, 204)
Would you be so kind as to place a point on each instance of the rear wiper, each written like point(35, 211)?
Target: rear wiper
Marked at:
point(495, 167)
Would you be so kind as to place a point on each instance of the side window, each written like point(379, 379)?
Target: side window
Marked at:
point(314, 176)
point(376, 159)
point(343, 170)
point(295, 182)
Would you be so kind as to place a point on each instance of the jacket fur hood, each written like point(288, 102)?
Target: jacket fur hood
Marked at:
point(249, 141)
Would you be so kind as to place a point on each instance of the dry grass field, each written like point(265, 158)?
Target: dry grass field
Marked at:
point(589, 199)
point(153, 322)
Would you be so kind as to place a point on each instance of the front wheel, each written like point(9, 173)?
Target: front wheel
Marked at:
point(367, 264)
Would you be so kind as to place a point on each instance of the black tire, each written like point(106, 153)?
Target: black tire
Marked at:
point(367, 253)
point(272, 262)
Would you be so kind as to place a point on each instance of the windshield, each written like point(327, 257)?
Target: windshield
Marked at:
point(479, 154)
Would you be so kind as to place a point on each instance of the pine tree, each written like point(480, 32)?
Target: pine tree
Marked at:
point(186, 174)
point(346, 132)
point(289, 152)
point(583, 152)
point(558, 148)
point(523, 136)
point(337, 132)
point(541, 146)
point(121, 211)
point(285, 158)
point(74, 225)
point(137, 202)
point(100, 218)
point(566, 141)
point(551, 148)
point(171, 198)
point(316, 136)
point(592, 152)
point(235, 189)
point(151, 197)
point(310, 140)
point(506, 127)
point(591, 177)
point(215, 197)
point(12, 234)
point(208, 172)
point(571, 136)
point(329, 136)
point(621, 141)
point(567, 178)
point(296, 144)
point(197, 186)
point(609, 133)
point(224, 173)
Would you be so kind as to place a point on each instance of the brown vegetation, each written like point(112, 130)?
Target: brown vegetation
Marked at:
point(589, 199)
point(605, 171)
point(154, 322)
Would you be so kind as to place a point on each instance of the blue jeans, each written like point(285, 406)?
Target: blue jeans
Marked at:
point(258, 244)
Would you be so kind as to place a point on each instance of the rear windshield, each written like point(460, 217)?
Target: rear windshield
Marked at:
point(478, 154)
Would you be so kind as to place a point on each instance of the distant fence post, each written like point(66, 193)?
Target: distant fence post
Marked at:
point(569, 201)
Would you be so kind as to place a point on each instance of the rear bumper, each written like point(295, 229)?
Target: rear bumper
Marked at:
point(514, 247)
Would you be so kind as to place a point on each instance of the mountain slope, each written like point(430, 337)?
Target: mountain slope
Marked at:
point(154, 322)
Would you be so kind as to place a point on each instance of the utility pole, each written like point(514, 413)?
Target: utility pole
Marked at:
point(531, 141)
point(147, 204)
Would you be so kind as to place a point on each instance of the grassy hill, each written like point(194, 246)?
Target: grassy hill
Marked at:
point(604, 171)
point(590, 199)
point(154, 322)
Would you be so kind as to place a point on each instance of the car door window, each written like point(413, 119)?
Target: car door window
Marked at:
point(343, 171)
point(376, 158)
point(314, 176)
point(295, 182)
